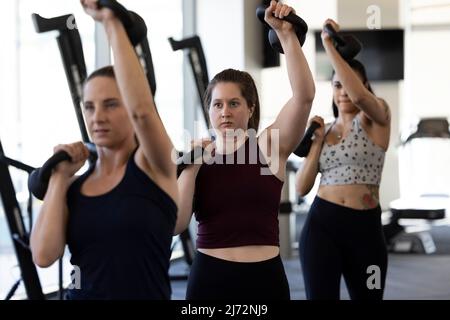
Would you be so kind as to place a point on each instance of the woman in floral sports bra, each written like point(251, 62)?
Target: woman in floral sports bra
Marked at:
point(342, 235)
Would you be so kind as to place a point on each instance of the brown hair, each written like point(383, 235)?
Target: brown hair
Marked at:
point(248, 90)
point(107, 71)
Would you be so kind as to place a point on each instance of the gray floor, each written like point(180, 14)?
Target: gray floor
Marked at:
point(410, 277)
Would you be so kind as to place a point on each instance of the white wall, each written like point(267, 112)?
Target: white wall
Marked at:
point(390, 181)
point(427, 72)
point(314, 12)
point(424, 163)
point(220, 25)
point(429, 12)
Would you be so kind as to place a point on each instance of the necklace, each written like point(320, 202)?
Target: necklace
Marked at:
point(338, 135)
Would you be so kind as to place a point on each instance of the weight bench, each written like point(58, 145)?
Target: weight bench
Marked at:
point(414, 238)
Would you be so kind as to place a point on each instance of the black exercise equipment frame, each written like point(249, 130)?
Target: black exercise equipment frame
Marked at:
point(16, 225)
point(197, 60)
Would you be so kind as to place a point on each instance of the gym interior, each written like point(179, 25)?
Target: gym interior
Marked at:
point(405, 48)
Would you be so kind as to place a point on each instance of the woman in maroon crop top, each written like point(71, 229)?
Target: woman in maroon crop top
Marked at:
point(236, 191)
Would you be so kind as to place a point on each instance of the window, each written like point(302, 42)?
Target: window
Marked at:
point(36, 111)
point(426, 95)
point(164, 19)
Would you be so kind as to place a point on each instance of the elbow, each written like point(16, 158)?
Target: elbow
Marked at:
point(44, 257)
point(142, 111)
point(43, 263)
point(304, 185)
point(312, 95)
point(177, 230)
point(304, 96)
point(305, 100)
point(301, 191)
point(180, 227)
point(140, 114)
point(309, 101)
point(43, 260)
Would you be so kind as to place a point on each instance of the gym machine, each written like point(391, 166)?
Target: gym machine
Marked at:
point(427, 207)
point(19, 235)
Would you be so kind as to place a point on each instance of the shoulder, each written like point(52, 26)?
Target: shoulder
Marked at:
point(167, 184)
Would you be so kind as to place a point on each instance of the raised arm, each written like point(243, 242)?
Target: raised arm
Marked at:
point(292, 119)
point(154, 141)
point(374, 108)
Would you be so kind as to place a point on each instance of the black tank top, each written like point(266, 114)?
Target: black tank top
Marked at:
point(121, 240)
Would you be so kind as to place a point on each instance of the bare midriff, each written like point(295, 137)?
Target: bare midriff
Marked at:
point(355, 196)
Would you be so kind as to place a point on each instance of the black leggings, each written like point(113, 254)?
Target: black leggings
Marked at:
point(336, 241)
point(216, 279)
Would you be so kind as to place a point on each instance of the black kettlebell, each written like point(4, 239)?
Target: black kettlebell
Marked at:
point(134, 24)
point(305, 145)
point(300, 26)
point(347, 45)
point(186, 159)
point(39, 179)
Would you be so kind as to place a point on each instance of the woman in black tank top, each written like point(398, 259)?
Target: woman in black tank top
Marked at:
point(236, 195)
point(118, 218)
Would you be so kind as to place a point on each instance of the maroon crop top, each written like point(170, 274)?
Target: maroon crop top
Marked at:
point(234, 204)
